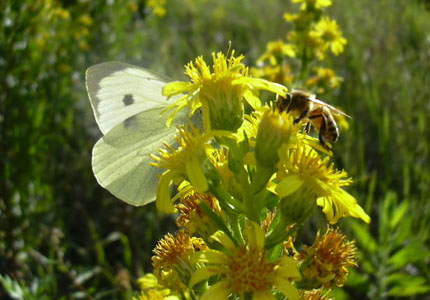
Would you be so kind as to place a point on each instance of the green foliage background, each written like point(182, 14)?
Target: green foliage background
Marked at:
point(64, 237)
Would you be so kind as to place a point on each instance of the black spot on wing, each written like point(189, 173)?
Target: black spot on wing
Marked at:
point(130, 122)
point(128, 99)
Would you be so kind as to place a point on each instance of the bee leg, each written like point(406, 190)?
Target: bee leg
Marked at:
point(308, 127)
point(302, 115)
point(323, 130)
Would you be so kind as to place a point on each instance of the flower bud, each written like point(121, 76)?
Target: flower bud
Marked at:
point(297, 206)
point(225, 106)
point(274, 130)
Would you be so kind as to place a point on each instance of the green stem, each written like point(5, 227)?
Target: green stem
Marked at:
point(261, 178)
point(255, 197)
point(235, 227)
point(304, 66)
point(227, 201)
point(280, 232)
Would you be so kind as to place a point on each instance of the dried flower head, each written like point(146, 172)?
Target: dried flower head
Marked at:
point(193, 217)
point(328, 259)
point(171, 258)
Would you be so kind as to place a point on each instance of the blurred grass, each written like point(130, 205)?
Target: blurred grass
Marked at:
point(63, 237)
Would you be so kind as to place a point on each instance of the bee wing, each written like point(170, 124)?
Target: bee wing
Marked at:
point(332, 108)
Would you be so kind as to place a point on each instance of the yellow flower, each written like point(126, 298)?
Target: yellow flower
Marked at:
point(275, 52)
point(158, 7)
point(245, 269)
point(290, 17)
point(182, 163)
point(220, 91)
point(281, 73)
point(310, 4)
point(329, 31)
point(308, 40)
point(171, 258)
point(133, 6)
point(328, 259)
point(152, 290)
point(324, 76)
point(304, 169)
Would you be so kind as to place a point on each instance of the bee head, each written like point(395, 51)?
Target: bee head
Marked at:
point(283, 103)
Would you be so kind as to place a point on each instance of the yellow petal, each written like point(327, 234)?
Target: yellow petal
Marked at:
point(287, 288)
point(262, 84)
point(148, 281)
point(263, 295)
point(203, 274)
point(288, 185)
point(163, 201)
point(252, 100)
point(176, 87)
point(218, 291)
point(223, 239)
point(341, 204)
point(209, 257)
point(255, 236)
point(288, 268)
point(196, 176)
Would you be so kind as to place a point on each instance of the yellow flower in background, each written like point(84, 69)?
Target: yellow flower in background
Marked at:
point(275, 52)
point(86, 20)
point(291, 17)
point(220, 91)
point(310, 4)
point(133, 6)
point(158, 7)
point(280, 73)
point(329, 31)
point(328, 259)
point(245, 269)
point(309, 41)
point(171, 258)
point(303, 168)
point(324, 76)
point(182, 163)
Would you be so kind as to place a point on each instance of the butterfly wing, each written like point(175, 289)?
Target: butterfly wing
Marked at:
point(121, 161)
point(118, 91)
point(127, 101)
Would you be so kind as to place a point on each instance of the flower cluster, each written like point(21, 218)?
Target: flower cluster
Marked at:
point(158, 7)
point(246, 181)
point(314, 35)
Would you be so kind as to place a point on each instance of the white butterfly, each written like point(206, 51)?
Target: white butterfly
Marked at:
point(127, 101)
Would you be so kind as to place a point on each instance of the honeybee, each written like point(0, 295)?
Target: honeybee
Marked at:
point(304, 105)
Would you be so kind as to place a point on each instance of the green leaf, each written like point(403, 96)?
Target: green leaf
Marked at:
point(398, 214)
point(364, 237)
point(410, 254)
point(407, 285)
